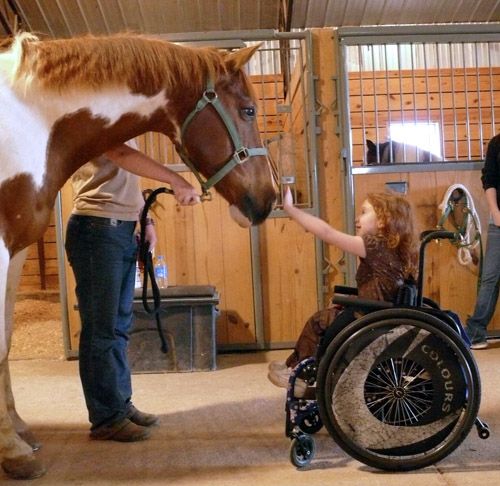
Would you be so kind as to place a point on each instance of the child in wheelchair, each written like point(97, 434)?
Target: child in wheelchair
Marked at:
point(387, 247)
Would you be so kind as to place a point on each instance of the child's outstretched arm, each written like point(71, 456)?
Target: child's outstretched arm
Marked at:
point(352, 244)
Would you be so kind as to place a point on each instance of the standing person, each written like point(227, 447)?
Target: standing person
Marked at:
point(102, 250)
point(490, 277)
point(386, 246)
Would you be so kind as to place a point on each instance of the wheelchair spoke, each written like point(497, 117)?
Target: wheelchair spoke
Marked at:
point(398, 392)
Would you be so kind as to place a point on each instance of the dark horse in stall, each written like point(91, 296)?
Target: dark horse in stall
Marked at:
point(67, 101)
point(392, 152)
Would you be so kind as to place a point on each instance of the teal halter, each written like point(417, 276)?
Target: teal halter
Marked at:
point(241, 153)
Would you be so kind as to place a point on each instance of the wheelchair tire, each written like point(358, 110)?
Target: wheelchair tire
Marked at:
point(398, 389)
point(302, 450)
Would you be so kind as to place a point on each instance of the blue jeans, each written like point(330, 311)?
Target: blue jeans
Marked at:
point(102, 253)
point(488, 291)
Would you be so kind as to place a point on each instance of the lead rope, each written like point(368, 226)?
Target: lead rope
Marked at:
point(470, 232)
point(146, 258)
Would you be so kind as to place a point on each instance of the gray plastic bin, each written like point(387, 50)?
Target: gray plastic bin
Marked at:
point(188, 315)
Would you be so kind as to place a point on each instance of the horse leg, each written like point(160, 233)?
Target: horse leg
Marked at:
point(16, 455)
point(13, 277)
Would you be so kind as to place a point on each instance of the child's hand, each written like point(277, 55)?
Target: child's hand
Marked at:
point(287, 199)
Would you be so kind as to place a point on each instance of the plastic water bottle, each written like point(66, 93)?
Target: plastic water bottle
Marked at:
point(161, 272)
point(138, 280)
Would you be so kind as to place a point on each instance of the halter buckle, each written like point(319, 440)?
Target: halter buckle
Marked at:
point(206, 196)
point(241, 155)
point(209, 95)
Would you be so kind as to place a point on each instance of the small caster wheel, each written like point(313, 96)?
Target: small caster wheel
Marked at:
point(483, 432)
point(302, 450)
point(483, 429)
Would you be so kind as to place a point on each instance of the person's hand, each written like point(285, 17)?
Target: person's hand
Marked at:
point(287, 199)
point(185, 194)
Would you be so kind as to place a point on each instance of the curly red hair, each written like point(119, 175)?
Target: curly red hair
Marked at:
point(395, 215)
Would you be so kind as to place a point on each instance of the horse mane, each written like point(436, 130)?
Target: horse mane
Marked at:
point(5, 43)
point(144, 64)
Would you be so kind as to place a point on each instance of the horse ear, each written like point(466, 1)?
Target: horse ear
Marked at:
point(237, 59)
point(370, 145)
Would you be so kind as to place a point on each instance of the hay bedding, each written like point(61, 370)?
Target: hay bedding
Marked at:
point(37, 329)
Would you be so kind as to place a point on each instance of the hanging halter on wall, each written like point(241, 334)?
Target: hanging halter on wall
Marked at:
point(458, 208)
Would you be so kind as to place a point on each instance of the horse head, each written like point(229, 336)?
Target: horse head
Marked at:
point(220, 139)
point(377, 153)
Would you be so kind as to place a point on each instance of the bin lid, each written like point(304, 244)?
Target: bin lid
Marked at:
point(181, 292)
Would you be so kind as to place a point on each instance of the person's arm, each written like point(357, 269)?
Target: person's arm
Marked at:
point(140, 164)
point(491, 198)
point(352, 244)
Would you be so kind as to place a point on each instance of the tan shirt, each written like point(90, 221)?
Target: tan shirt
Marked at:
point(101, 188)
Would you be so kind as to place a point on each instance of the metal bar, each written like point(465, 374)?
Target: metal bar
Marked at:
point(479, 108)
point(389, 114)
point(427, 100)
point(412, 63)
point(362, 91)
point(453, 101)
point(400, 99)
point(313, 158)
point(443, 146)
point(467, 116)
point(419, 167)
point(493, 124)
point(346, 131)
point(375, 106)
point(248, 35)
point(420, 33)
point(69, 353)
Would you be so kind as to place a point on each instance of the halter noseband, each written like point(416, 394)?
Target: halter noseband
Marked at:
point(241, 153)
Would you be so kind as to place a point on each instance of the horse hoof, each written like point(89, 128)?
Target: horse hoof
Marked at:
point(24, 467)
point(30, 439)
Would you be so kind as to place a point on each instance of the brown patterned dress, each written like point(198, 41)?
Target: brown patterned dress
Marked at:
point(379, 276)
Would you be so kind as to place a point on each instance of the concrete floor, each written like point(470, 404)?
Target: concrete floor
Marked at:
point(224, 427)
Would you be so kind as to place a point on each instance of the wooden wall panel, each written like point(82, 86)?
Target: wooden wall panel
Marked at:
point(289, 279)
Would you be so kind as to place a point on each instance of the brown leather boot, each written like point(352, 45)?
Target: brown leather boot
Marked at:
point(142, 418)
point(122, 431)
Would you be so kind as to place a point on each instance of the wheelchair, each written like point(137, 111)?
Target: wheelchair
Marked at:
point(394, 383)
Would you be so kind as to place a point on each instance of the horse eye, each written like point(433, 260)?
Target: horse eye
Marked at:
point(249, 111)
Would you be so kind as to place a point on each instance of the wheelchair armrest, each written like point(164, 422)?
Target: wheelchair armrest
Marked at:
point(363, 304)
point(342, 289)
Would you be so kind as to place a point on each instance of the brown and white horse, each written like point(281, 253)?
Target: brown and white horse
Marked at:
point(64, 102)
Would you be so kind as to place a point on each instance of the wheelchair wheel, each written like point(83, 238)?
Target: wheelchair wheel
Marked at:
point(398, 389)
point(302, 450)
